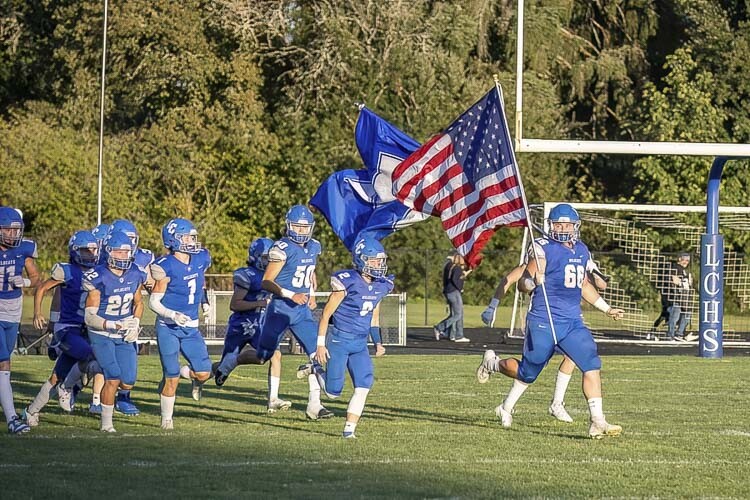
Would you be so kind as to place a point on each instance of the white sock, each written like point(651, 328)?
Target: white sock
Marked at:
point(42, 398)
point(561, 386)
point(357, 403)
point(167, 406)
point(107, 412)
point(73, 377)
point(313, 399)
point(350, 426)
point(273, 387)
point(185, 372)
point(96, 399)
point(515, 393)
point(229, 363)
point(596, 409)
point(6, 396)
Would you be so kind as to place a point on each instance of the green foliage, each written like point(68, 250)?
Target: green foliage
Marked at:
point(228, 112)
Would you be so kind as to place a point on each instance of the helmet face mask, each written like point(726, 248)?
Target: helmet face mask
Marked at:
point(564, 224)
point(119, 251)
point(11, 227)
point(299, 224)
point(370, 258)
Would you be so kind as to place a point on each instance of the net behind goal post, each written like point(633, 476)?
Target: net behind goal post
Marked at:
point(637, 245)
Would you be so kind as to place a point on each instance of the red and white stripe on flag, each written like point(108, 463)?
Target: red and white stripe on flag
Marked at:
point(468, 177)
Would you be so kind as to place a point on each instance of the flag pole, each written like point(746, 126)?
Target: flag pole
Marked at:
point(525, 203)
point(101, 118)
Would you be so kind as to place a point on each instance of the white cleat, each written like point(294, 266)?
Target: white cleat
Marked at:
point(486, 367)
point(108, 429)
point(506, 417)
point(275, 405)
point(32, 419)
point(167, 425)
point(197, 391)
point(560, 413)
point(599, 429)
point(65, 398)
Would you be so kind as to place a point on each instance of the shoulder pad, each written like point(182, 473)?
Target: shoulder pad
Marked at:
point(28, 247)
point(61, 272)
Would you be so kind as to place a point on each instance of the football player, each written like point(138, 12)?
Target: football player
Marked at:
point(179, 279)
point(290, 277)
point(142, 258)
point(16, 255)
point(509, 366)
point(248, 303)
point(354, 307)
point(556, 277)
point(69, 334)
point(113, 314)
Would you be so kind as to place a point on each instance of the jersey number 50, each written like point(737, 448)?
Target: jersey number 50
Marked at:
point(302, 276)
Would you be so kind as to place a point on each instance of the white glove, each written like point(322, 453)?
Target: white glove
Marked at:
point(17, 281)
point(179, 318)
point(488, 316)
point(132, 327)
point(206, 308)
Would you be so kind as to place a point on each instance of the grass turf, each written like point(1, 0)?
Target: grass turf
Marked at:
point(428, 430)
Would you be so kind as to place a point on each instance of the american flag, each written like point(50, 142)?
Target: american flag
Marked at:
point(468, 176)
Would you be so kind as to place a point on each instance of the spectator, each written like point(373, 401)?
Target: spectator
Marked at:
point(454, 274)
point(678, 299)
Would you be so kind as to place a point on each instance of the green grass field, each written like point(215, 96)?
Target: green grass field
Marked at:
point(429, 431)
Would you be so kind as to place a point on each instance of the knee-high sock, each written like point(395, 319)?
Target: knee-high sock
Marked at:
point(42, 398)
point(313, 398)
point(6, 396)
point(515, 393)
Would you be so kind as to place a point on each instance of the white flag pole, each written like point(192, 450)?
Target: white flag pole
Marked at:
point(101, 117)
point(525, 203)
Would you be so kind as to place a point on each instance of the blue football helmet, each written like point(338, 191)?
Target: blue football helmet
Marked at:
point(83, 248)
point(564, 213)
point(119, 241)
point(100, 232)
point(299, 224)
point(257, 253)
point(11, 227)
point(180, 235)
point(370, 258)
point(127, 227)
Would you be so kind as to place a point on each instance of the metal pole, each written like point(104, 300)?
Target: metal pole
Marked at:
point(519, 77)
point(101, 117)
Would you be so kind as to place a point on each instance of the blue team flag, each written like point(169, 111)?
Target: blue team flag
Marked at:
point(358, 203)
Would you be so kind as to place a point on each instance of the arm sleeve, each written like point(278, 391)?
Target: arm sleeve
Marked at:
point(337, 285)
point(157, 271)
point(154, 302)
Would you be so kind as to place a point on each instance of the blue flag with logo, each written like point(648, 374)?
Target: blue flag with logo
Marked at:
point(358, 203)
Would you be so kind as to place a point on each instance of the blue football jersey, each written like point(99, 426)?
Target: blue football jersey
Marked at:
point(248, 278)
point(12, 262)
point(563, 279)
point(354, 314)
point(185, 288)
point(72, 293)
point(117, 292)
point(143, 258)
point(299, 263)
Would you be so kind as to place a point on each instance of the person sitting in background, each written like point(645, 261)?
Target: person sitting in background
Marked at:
point(454, 274)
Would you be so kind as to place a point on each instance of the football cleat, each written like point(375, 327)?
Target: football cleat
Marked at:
point(108, 429)
point(599, 429)
point(167, 425)
point(506, 417)
point(65, 398)
point(558, 411)
point(486, 367)
point(18, 426)
point(32, 419)
point(437, 333)
point(348, 435)
point(197, 391)
point(321, 413)
point(304, 370)
point(220, 377)
point(691, 337)
point(275, 405)
point(95, 409)
point(124, 405)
